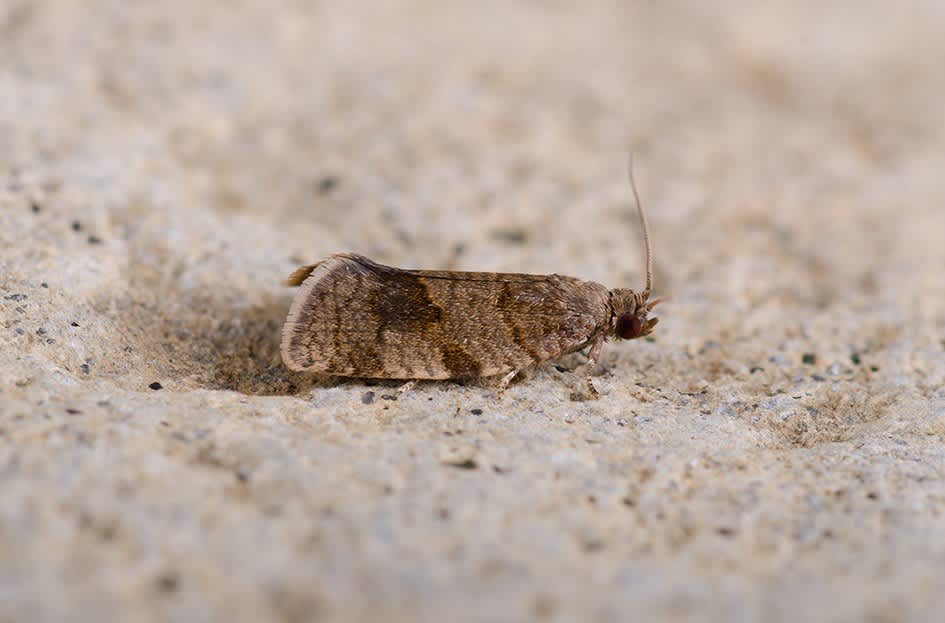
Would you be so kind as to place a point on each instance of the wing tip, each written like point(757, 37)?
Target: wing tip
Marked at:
point(293, 349)
point(300, 274)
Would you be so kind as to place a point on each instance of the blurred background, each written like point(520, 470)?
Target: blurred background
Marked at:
point(495, 134)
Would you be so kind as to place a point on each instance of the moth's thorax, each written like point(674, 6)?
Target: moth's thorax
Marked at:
point(624, 301)
point(629, 311)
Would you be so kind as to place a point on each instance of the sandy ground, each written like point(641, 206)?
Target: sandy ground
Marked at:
point(774, 453)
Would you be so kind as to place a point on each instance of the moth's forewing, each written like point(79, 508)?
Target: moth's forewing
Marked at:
point(354, 317)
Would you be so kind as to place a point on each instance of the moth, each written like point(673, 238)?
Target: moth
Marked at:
point(353, 317)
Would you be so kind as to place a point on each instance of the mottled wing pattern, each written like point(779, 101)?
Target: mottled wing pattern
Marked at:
point(355, 317)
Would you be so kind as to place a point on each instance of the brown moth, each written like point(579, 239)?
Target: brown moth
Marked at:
point(354, 317)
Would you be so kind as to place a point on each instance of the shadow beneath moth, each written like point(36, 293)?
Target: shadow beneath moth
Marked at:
point(353, 317)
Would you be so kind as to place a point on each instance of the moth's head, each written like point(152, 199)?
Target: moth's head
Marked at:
point(631, 314)
point(630, 310)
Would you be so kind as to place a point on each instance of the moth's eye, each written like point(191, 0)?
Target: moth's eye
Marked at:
point(629, 326)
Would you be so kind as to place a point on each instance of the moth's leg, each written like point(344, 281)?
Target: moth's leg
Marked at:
point(406, 387)
point(592, 357)
point(505, 383)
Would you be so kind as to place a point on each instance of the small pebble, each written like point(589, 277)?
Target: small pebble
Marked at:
point(76, 226)
point(327, 184)
point(727, 410)
point(167, 582)
point(156, 386)
point(463, 456)
point(809, 359)
point(476, 411)
point(709, 346)
point(513, 236)
point(367, 398)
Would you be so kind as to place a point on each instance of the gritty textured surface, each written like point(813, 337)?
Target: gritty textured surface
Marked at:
point(773, 453)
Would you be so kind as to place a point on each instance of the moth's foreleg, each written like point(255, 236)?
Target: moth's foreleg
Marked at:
point(593, 356)
point(504, 383)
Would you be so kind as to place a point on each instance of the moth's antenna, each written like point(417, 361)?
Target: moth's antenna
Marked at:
point(646, 229)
